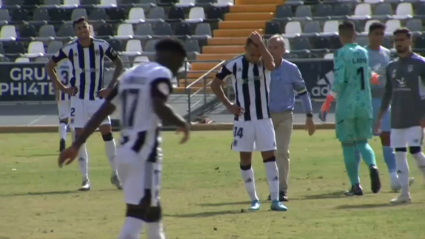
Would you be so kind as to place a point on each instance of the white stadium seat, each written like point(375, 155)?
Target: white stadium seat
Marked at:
point(70, 4)
point(8, 32)
point(403, 11)
point(22, 60)
point(196, 14)
point(136, 15)
point(185, 3)
point(224, 3)
point(373, 1)
point(330, 27)
point(107, 3)
point(140, 60)
point(392, 25)
point(133, 48)
point(362, 11)
point(328, 56)
point(292, 29)
point(35, 49)
point(125, 31)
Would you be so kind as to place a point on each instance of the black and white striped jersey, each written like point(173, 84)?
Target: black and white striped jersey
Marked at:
point(64, 72)
point(87, 65)
point(251, 83)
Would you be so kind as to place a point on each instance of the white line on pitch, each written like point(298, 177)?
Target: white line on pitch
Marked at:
point(36, 120)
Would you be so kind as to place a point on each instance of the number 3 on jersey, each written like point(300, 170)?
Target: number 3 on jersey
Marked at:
point(65, 77)
point(360, 71)
point(129, 104)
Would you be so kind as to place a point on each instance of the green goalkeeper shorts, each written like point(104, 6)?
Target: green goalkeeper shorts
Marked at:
point(354, 130)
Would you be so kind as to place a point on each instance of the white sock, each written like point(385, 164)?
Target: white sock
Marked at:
point(131, 228)
point(111, 152)
point(83, 162)
point(420, 161)
point(272, 175)
point(155, 230)
point(402, 171)
point(63, 130)
point(249, 180)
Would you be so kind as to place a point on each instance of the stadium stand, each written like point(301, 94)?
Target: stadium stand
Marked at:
point(212, 30)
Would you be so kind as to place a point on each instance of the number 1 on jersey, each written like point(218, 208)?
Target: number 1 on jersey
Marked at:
point(360, 71)
point(129, 104)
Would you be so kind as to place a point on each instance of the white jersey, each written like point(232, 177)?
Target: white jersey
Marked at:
point(133, 98)
point(64, 72)
point(87, 65)
point(251, 83)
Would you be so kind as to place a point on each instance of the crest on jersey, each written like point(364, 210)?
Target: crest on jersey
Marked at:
point(75, 54)
point(239, 69)
point(409, 68)
point(96, 52)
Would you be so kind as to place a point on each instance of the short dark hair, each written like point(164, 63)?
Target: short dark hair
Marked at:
point(346, 28)
point(403, 30)
point(249, 41)
point(79, 20)
point(376, 25)
point(171, 44)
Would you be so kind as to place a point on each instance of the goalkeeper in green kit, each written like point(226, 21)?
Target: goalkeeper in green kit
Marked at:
point(353, 115)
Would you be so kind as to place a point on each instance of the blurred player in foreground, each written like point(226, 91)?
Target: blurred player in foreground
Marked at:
point(405, 90)
point(353, 115)
point(141, 95)
point(379, 57)
point(253, 128)
point(64, 71)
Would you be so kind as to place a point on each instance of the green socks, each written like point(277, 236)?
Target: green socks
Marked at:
point(367, 153)
point(351, 164)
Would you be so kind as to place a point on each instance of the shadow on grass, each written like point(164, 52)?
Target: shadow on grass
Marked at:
point(209, 214)
point(52, 193)
point(370, 206)
point(331, 195)
point(223, 204)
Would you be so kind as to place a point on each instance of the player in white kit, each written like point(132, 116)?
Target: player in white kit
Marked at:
point(141, 96)
point(64, 72)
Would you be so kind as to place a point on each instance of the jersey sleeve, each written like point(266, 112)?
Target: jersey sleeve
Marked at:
point(113, 97)
point(110, 52)
point(161, 84)
point(298, 81)
point(339, 72)
point(59, 56)
point(223, 73)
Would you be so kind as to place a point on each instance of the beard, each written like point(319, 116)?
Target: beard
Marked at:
point(401, 50)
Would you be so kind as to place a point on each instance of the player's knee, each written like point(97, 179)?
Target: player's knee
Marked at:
point(107, 137)
point(63, 121)
point(414, 150)
point(269, 159)
point(245, 158)
point(385, 138)
point(400, 149)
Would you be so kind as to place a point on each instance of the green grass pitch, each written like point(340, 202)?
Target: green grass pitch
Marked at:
point(203, 195)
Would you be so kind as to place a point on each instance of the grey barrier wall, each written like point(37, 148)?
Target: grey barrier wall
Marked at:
point(30, 82)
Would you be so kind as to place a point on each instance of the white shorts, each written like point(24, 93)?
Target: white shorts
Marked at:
point(257, 135)
point(83, 110)
point(137, 174)
point(64, 109)
point(408, 137)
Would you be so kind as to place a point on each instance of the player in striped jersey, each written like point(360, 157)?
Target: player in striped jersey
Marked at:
point(87, 55)
point(141, 96)
point(253, 127)
point(64, 71)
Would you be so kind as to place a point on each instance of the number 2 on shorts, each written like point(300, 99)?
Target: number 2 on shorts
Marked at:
point(238, 132)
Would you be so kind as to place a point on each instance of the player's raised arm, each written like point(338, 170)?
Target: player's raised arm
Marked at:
point(268, 60)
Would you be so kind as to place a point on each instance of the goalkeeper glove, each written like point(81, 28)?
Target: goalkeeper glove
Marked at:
point(325, 107)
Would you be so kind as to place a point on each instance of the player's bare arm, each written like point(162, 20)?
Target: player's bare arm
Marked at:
point(50, 68)
point(217, 89)
point(119, 67)
point(268, 60)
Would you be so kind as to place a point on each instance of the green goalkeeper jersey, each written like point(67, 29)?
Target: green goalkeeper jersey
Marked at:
point(351, 83)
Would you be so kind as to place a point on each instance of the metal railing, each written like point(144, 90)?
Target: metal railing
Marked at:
point(206, 84)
